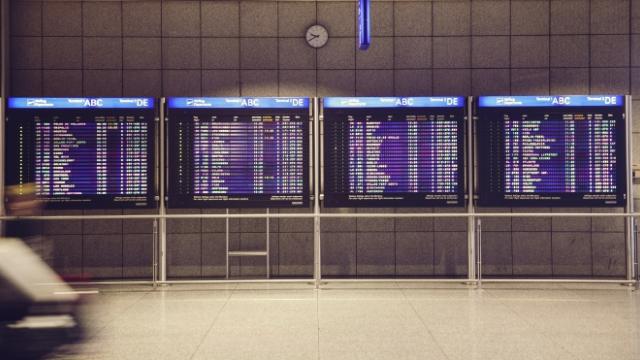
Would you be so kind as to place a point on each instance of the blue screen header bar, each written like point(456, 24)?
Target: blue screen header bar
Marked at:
point(551, 101)
point(239, 103)
point(81, 103)
point(393, 102)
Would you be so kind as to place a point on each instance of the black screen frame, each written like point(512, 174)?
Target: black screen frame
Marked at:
point(341, 200)
point(82, 202)
point(180, 201)
point(488, 198)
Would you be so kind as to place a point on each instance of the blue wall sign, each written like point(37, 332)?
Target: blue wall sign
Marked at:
point(80, 103)
point(238, 103)
point(364, 24)
point(393, 102)
point(546, 101)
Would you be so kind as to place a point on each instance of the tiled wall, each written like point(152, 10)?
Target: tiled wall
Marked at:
point(168, 48)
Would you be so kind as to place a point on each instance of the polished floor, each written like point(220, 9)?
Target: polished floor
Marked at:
point(367, 321)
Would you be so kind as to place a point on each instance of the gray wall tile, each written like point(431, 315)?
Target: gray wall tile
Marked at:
point(294, 53)
point(490, 81)
point(569, 16)
point(382, 17)
point(496, 253)
point(339, 53)
point(213, 255)
point(62, 18)
point(26, 83)
point(571, 224)
point(181, 18)
point(337, 17)
point(183, 226)
point(184, 255)
point(220, 53)
point(258, 82)
point(142, 53)
point(258, 18)
point(412, 53)
point(62, 52)
point(220, 18)
point(608, 254)
point(26, 52)
point(181, 82)
point(379, 55)
point(295, 254)
point(609, 80)
point(451, 18)
point(181, 53)
point(336, 82)
point(451, 52)
point(142, 83)
point(62, 83)
point(102, 256)
point(26, 18)
point(102, 53)
point(450, 257)
point(490, 17)
point(295, 17)
point(414, 253)
point(375, 253)
point(490, 51)
point(99, 227)
point(571, 253)
point(105, 83)
point(570, 50)
point(530, 81)
point(531, 223)
point(413, 82)
point(297, 83)
point(413, 224)
point(569, 81)
point(102, 18)
point(412, 18)
point(141, 18)
point(532, 253)
point(529, 51)
point(220, 83)
point(451, 82)
point(258, 53)
point(338, 254)
point(609, 50)
point(609, 16)
point(67, 254)
point(137, 256)
point(523, 11)
point(374, 82)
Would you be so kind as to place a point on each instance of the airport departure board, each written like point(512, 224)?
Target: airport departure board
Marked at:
point(238, 152)
point(394, 151)
point(551, 150)
point(82, 152)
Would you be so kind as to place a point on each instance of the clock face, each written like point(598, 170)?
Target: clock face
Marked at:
point(317, 36)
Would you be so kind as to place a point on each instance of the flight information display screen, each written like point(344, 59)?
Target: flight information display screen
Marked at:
point(394, 151)
point(82, 152)
point(238, 152)
point(551, 151)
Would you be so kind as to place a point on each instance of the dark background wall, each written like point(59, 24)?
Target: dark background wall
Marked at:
point(257, 48)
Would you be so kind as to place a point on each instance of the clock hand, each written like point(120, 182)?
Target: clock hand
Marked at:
point(313, 36)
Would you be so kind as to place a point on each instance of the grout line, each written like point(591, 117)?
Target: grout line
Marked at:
point(204, 337)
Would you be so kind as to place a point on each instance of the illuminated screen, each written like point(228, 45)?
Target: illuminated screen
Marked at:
point(238, 152)
point(81, 152)
point(394, 151)
point(546, 151)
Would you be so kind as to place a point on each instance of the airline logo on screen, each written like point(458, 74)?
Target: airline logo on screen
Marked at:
point(239, 103)
point(392, 102)
point(546, 101)
point(81, 103)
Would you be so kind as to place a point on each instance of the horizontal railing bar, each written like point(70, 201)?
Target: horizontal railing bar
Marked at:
point(310, 215)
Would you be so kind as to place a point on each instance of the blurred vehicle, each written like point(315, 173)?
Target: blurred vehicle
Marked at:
point(38, 310)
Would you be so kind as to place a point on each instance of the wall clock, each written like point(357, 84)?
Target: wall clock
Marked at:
point(317, 36)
